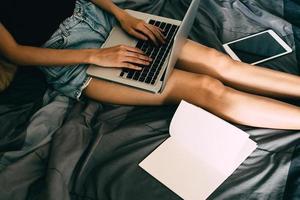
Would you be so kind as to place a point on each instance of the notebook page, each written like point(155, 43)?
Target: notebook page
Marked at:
point(203, 152)
point(210, 137)
point(182, 172)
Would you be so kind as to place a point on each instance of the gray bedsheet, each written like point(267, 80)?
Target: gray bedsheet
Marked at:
point(89, 150)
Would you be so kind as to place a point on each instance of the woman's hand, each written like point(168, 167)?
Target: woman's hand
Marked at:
point(119, 56)
point(140, 29)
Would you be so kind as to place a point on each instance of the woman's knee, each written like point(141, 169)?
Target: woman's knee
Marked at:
point(190, 87)
point(210, 87)
point(222, 61)
point(199, 86)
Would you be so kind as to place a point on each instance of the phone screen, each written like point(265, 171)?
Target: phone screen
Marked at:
point(256, 48)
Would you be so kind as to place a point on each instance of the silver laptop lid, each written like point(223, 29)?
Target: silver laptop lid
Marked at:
point(180, 37)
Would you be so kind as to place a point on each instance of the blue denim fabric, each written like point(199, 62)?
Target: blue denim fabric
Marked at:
point(87, 28)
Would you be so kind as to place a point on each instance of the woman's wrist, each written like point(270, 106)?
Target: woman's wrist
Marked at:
point(119, 13)
point(89, 56)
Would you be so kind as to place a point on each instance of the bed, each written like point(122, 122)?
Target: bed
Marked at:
point(52, 147)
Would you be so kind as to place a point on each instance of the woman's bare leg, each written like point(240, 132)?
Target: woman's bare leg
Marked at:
point(204, 60)
point(207, 93)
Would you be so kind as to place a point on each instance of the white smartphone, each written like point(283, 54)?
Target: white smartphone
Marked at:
point(257, 48)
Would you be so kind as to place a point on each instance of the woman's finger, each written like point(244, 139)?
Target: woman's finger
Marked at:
point(133, 49)
point(161, 32)
point(131, 66)
point(138, 35)
point(139, 56)
point(156, 31)
point(134, 60)
point(148, 33)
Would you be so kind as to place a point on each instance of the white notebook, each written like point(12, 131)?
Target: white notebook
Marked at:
point(202, 152)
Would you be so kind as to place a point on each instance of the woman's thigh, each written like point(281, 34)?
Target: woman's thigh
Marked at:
point(197, 58)
point(181, 85)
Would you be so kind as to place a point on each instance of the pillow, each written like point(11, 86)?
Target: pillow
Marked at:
point(7, 72)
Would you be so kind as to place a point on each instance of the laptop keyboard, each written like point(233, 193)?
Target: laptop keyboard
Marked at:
point(150, 73)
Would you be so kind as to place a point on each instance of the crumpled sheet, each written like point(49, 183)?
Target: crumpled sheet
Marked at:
point(89, 150)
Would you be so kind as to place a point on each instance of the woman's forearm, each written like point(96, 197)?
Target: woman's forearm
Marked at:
point(27, 55)
point(135, 27)
point(110, 7)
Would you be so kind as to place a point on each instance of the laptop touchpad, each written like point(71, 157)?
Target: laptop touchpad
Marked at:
point(118, 36)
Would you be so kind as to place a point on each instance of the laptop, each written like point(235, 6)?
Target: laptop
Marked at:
point(151, 78)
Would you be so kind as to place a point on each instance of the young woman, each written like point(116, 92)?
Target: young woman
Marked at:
point(203, 76)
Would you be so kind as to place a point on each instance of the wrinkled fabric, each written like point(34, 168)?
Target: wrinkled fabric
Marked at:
point(88, 150)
